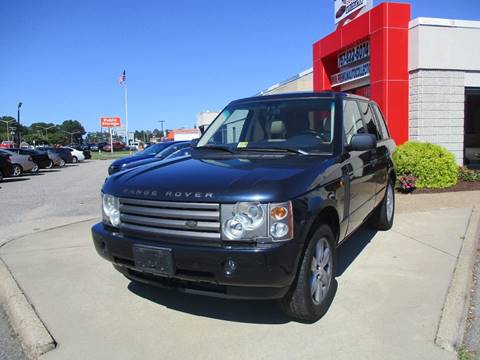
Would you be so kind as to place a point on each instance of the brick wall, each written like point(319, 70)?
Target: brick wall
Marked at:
point(436, 109)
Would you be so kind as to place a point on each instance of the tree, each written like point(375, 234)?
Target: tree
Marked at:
point(74, 130)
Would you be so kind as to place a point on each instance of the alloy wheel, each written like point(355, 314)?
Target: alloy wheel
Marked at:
point(17, 170)
point(390, 202)
point(322, 264)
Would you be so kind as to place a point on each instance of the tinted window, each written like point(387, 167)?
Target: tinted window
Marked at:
point(369, 119)
point(352, 120)
point(381, 122)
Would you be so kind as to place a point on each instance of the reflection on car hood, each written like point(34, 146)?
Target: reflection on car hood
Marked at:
point(130, 159)
point(223, 180)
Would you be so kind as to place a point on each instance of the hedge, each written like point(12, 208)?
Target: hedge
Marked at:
point(432, 165)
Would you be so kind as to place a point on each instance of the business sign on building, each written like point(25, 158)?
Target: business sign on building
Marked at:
point(107, 122)
point(354, 55)
point(353, 63)
point(350, 8)
point(351, 74)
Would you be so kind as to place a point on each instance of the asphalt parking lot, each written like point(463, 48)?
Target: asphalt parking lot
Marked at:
point(391, 287)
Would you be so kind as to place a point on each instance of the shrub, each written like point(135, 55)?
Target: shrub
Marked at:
point(432, 165)
point(469, 175)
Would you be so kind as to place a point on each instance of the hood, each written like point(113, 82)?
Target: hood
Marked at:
point(144, 161)
point(130, 159)
point(226, 180)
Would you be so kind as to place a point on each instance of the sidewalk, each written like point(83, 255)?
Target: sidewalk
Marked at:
point(391, 290)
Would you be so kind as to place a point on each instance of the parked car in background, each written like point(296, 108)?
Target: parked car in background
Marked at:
point(55, 158)
point(77, 155)
point(65, 154)
point(21, 163)
point(96, 146)
point(6, 168)
point(149, 152)
point(39, 157)
point(117, 146)
point(7, 144)
point(177, 149)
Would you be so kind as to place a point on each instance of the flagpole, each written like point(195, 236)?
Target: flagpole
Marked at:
point(126, 114)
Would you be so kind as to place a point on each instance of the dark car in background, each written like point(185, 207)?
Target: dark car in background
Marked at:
point(6, 168)
point(39, 157)
point(149, 152)
point(258, 210)
point(177, 149)
point(117, 146)
point(96, 146)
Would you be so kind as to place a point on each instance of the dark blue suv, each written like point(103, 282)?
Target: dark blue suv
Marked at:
point(271, 189)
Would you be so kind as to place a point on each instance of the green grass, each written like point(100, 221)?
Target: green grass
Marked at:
point(465, 354)
point(109, 156)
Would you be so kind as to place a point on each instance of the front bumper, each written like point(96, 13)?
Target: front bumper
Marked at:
point(261, 273)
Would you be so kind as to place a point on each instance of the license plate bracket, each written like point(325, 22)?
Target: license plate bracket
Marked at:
point(157, 261)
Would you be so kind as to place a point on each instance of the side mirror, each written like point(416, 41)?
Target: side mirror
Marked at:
point(194, 143)
point(362, 142)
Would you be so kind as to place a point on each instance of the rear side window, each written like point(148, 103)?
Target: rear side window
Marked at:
point(380, 121)
point(370, 122)
point(352, 120)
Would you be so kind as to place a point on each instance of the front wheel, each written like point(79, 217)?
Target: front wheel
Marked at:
point(312, 293)
point(62, 163)
point(50, 164)
point(35, 169)
point(17, 170)
point(382, 217)
point(74, 160)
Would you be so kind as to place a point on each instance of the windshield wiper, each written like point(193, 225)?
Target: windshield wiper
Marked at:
point(274, 149)
point(216, 147)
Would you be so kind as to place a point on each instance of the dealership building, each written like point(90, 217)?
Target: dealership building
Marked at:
point(424, 73)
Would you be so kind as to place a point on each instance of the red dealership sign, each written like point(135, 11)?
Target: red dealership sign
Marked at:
point(110, 121)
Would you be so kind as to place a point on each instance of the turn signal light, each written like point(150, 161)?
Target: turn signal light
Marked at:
point(279, 213)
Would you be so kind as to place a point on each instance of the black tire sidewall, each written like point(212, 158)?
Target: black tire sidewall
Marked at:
point(298, 302)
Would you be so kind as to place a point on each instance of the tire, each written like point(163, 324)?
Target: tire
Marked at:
point(1, 176)
point(62, 163)
point(35, 169)
point(50, 164)
point(306, 301)
point(74, 160)
point(17, 170)
point(382, 217)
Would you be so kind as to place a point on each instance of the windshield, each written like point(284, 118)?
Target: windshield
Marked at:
point(302, 125)
point(154, 149)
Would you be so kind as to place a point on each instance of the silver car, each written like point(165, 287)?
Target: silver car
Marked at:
point(21, 163)
point(56, 158)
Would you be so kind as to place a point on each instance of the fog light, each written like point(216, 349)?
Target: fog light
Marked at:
point(229, 267)
point(279, 229)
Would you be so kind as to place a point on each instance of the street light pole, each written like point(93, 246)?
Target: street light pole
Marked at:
point(71, 134)
point(19, 129)
point(7, 122)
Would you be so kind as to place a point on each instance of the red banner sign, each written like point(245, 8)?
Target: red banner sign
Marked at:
point(110, 121)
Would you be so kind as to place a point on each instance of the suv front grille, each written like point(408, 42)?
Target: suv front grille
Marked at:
point(158, 219)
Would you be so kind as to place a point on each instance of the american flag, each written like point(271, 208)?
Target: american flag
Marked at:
point(122, 78)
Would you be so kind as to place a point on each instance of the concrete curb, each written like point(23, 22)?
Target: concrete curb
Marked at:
point(452, 322)
point(33, 334)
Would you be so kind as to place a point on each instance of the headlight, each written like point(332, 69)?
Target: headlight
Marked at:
point(249, 221)
point(111, 210)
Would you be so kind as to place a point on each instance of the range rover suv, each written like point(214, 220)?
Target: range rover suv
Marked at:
point(258, 210)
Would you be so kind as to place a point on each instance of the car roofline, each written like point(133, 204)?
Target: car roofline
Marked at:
point(299, 95)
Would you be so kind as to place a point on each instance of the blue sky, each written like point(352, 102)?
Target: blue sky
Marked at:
point(62, 58)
